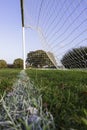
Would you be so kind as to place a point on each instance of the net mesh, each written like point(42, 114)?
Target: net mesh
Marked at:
point(62, 29)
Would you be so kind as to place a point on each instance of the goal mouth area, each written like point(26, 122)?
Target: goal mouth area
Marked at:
point(61, 27)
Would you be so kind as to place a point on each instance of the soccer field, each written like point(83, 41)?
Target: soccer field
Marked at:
point(63, 91)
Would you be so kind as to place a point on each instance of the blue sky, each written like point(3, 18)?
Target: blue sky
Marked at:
point(11, 32)
point(63, 24)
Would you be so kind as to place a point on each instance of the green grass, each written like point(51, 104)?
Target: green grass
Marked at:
point(64, 93)
point(7, 78)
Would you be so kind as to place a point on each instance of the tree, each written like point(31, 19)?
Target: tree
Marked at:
point(76, 58)
point(3, 64)
point(18, 63)
point(38, 58)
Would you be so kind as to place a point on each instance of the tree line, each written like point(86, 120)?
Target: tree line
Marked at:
point(18, 63)
point(37, 59)
point(75, 58)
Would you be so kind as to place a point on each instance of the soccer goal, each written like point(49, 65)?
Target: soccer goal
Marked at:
point(62, 29)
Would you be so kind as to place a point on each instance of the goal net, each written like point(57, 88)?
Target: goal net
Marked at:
point(61, 27)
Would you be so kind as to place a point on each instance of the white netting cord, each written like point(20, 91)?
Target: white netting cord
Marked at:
point(61, 26)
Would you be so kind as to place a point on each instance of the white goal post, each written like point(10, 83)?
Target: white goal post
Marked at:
point(23, 33)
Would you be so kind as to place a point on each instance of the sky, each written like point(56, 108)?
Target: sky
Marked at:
point(62, 25)
point(11, 32)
